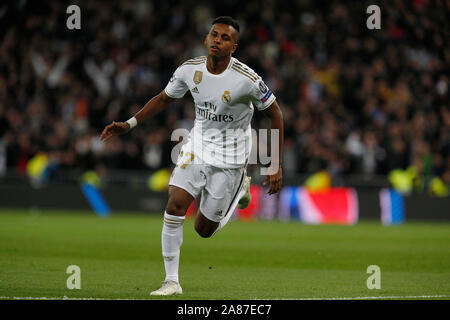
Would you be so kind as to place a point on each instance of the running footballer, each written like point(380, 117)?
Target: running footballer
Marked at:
point(212, 164)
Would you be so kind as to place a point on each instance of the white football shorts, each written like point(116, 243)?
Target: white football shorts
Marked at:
point(220, 189)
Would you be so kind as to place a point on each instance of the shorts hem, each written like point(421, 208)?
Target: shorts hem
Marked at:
point(209, 218)
point(184, 188)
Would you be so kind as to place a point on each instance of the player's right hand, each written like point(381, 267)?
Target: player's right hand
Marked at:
point(114, 129)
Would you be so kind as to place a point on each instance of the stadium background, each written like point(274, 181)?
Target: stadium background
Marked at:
point(366, 108)
point(366, 119)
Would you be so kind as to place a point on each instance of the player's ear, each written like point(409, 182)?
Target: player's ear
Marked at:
point(234, 47)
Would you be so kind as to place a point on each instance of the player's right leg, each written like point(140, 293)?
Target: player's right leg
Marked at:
point(172, 238)
point(185, 185)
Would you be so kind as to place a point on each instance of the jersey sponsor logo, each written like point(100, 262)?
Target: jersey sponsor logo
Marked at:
point(262, 87)
point(209, 113)
point(211, 106)
point(226, 97)
point(198, 75)
point(195, 90)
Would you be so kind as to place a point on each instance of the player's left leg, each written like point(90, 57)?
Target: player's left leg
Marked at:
point(224, 188)
point(205, 227)
point(245, 200)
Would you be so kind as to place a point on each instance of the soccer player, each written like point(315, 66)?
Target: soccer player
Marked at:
point(212, 164)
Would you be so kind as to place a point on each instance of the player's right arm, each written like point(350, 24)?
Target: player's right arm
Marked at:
point(151, 108)
point(175, 89)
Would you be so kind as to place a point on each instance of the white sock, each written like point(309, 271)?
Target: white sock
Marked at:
point(171, 240)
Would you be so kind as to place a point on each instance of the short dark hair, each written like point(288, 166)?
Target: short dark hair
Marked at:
point(227, 20)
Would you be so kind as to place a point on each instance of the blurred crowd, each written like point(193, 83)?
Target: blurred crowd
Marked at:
point(355, 101)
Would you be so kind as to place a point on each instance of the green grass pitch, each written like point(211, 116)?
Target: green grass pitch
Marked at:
point(120, 258)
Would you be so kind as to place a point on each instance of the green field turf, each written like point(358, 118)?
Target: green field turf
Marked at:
point(120, 257)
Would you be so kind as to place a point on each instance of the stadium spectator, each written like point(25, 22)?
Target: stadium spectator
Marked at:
point(358, 101)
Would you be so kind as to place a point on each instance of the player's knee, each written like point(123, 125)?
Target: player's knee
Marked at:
point(179, 201)
point(203, 231)
point(176, 208)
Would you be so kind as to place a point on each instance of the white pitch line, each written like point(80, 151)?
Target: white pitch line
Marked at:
point(380, 297)
point(335, 298)
point(63, 298)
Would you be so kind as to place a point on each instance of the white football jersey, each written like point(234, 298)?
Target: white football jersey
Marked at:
point(224, 105)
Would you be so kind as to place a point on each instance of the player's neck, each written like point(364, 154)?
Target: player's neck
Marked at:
point(217, 65)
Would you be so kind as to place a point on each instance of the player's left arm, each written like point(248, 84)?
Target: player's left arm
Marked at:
point(275, 176)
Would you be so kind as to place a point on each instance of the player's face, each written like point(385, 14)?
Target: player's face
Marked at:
point(221, 41)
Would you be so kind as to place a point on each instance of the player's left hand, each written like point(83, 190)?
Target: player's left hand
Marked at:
point(274, 180)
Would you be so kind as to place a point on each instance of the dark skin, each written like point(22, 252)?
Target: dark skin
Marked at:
point(220, 43)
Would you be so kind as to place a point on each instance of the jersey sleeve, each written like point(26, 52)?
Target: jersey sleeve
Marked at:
point(262, 96)
point(177, 87)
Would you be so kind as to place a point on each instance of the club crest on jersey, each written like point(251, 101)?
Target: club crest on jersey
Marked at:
point(226, 97)
point(198, 75)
